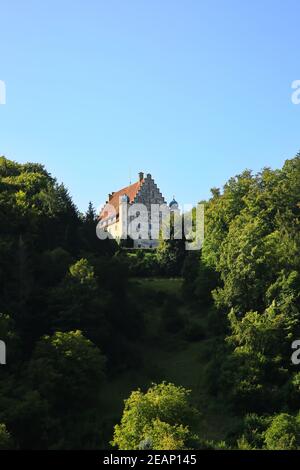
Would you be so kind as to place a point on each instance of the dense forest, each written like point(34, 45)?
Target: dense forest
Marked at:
point(108, 347)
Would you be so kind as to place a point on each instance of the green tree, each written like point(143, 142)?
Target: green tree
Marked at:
point(78, 302)
point(170, 256)
point(67, 366)
point(82, 272)
point(90, 215)
point(283, 433)
point(5, 438)
point(165, 436)
point(162, 417)
point(252, 241)
point(67, 370)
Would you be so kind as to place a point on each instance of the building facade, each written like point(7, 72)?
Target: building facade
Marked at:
point(121, 208)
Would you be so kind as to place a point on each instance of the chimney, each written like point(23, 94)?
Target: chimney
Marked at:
point(141, 175)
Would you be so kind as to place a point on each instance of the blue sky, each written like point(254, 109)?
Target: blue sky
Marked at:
point(191, 91)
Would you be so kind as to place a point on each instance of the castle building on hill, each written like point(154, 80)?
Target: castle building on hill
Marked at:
point(114, 220)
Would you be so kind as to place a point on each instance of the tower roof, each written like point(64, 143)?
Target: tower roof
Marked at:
point(173, 203)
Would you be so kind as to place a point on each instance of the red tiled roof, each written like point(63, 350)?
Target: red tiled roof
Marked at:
point(130, 191)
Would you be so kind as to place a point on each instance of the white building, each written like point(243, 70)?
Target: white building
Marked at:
point(115, 220)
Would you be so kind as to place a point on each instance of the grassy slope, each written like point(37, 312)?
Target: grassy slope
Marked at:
point(170, 357)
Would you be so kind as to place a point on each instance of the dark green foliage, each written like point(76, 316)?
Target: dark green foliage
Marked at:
point(190, 271)
point(142, 263)
point(56, 276)
point(170, 256)
point(172, 321)
point(253, 242)
point(5, 438)
point(194, 331)
point(277, 432)
point(65, 367)
point(65, 296)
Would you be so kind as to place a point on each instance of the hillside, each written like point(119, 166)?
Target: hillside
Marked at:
point(207, 336)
